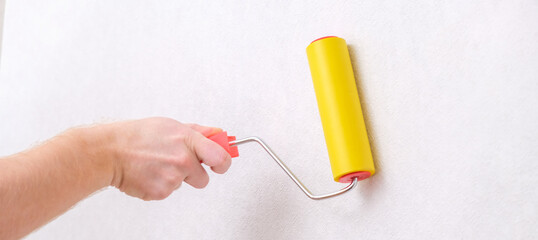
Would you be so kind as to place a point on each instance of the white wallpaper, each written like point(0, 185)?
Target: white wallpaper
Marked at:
point(449, 89)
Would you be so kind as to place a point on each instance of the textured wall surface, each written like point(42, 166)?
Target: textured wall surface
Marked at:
point(450, 91)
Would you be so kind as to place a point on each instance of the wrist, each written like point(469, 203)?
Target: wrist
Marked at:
point(93, 147)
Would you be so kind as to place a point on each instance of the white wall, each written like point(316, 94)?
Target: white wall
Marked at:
point(450, 90)
point(2, 7)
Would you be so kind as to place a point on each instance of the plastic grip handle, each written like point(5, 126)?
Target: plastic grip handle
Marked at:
point(224, 140)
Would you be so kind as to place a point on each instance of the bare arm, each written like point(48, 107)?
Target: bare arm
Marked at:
point(146, 158)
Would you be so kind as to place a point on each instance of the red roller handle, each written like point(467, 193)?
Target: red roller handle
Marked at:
point(224, 140)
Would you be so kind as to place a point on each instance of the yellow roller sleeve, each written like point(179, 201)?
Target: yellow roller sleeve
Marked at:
point(340, 109)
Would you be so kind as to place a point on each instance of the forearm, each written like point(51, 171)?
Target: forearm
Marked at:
point(41, 183)
point(147, 158)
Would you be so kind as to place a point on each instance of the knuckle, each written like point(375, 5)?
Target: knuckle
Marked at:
point(183, 159)
point(159, 121)
point(186, 163)
point(173, 180)
point(188, 137)
point(159, 194)
point(146, 197)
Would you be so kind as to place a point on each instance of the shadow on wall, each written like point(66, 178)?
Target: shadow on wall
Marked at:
point(373, 184)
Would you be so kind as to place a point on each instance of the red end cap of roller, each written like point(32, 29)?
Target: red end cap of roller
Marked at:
point(224, 140)
point(358, 175)
point(323, 38)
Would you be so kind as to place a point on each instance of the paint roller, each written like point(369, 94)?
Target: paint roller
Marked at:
point(341, 116)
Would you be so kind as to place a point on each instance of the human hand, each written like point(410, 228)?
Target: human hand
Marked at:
point(153, 156)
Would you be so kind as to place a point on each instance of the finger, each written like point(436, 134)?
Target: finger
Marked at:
point(210, 153)
point(220, 169)
point(204, 130)
point(198, 177)
point(209, 131)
